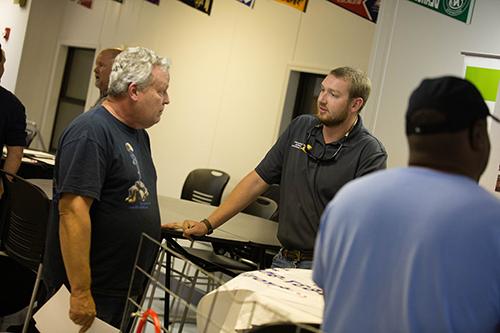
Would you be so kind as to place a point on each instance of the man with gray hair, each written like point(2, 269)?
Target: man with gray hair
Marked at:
point(102, 157)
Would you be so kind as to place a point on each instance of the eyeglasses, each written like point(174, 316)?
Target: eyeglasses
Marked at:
point(325, 156)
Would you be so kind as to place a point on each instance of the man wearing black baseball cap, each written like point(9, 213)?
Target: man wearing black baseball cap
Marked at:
point(420, 251)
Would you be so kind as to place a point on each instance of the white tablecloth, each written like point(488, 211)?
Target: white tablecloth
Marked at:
point(260, 297)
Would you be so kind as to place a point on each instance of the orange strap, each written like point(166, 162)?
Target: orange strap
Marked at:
point(144, 319)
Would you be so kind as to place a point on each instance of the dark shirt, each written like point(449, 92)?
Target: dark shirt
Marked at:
point(102, 158)
point(307, 183)
point(12, 120)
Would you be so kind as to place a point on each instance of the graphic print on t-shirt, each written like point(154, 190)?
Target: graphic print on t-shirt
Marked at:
point(138, 190)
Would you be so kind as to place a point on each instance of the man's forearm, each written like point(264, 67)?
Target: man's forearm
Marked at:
point(13, 159)
point(74, 233)
point(247, 190)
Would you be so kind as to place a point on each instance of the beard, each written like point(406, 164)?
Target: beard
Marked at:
point(330, 120)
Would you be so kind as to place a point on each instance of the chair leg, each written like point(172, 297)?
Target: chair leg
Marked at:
point(33, 297)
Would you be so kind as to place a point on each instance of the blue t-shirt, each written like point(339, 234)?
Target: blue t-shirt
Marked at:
point(102, 158)
point(410, 250)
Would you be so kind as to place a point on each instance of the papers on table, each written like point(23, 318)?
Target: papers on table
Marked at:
point(29, 155)
point(53, 317)
point(39, 156)
point(38, 153)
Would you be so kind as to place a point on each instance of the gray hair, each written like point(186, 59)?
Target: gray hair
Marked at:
point(134, 65)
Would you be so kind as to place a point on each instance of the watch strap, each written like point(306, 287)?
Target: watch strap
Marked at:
point(210, 229)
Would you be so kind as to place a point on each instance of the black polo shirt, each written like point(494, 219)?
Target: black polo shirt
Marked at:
point(309, 180)
point(12, 120)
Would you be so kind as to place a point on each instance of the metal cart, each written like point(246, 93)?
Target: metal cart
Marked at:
point(184, 289)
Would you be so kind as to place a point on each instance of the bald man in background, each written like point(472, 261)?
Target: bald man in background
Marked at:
point(103, 64)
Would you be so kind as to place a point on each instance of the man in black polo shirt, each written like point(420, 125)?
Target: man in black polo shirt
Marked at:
point(311, 161)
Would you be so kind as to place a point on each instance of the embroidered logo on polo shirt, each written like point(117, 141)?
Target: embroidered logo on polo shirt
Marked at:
point(301, 146)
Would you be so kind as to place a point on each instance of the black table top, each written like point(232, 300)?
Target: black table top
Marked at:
point(242, 228)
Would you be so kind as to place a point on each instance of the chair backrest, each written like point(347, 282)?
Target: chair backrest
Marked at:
point(33, 132)
point(205, 186)
point(273, 192)
point(28, 207)
point(30, 135)
point(262, 207)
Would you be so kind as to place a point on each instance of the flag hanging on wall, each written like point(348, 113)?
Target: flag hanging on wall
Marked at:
point(297, 4)
point(204, 6)
point(458, 9)
point(84, 3)
point(248, 3)
point(364, 8)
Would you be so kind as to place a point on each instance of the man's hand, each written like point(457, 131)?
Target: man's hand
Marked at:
point(82, 309)
point(173, 226)
point(189, 228)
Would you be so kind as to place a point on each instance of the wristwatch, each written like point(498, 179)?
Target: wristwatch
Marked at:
point(210, 229)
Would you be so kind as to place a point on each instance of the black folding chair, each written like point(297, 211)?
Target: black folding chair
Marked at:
point(262, 207)
point(24, 229)
point(273, 193)
point(205, 186)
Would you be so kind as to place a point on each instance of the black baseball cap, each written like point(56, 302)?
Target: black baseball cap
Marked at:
point(457, 99)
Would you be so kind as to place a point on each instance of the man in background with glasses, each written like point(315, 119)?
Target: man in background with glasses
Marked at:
point(311, 161)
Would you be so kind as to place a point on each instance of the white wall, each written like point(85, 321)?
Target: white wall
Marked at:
point(413, 42)
point(229, 73)
point(36, 67)
point(16, 18)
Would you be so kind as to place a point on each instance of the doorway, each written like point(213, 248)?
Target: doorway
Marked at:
point(73, 93)
point(302, 93)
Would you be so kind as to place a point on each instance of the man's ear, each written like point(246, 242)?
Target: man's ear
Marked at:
point(478, 135)
point(356, 104)
point(133, 91)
